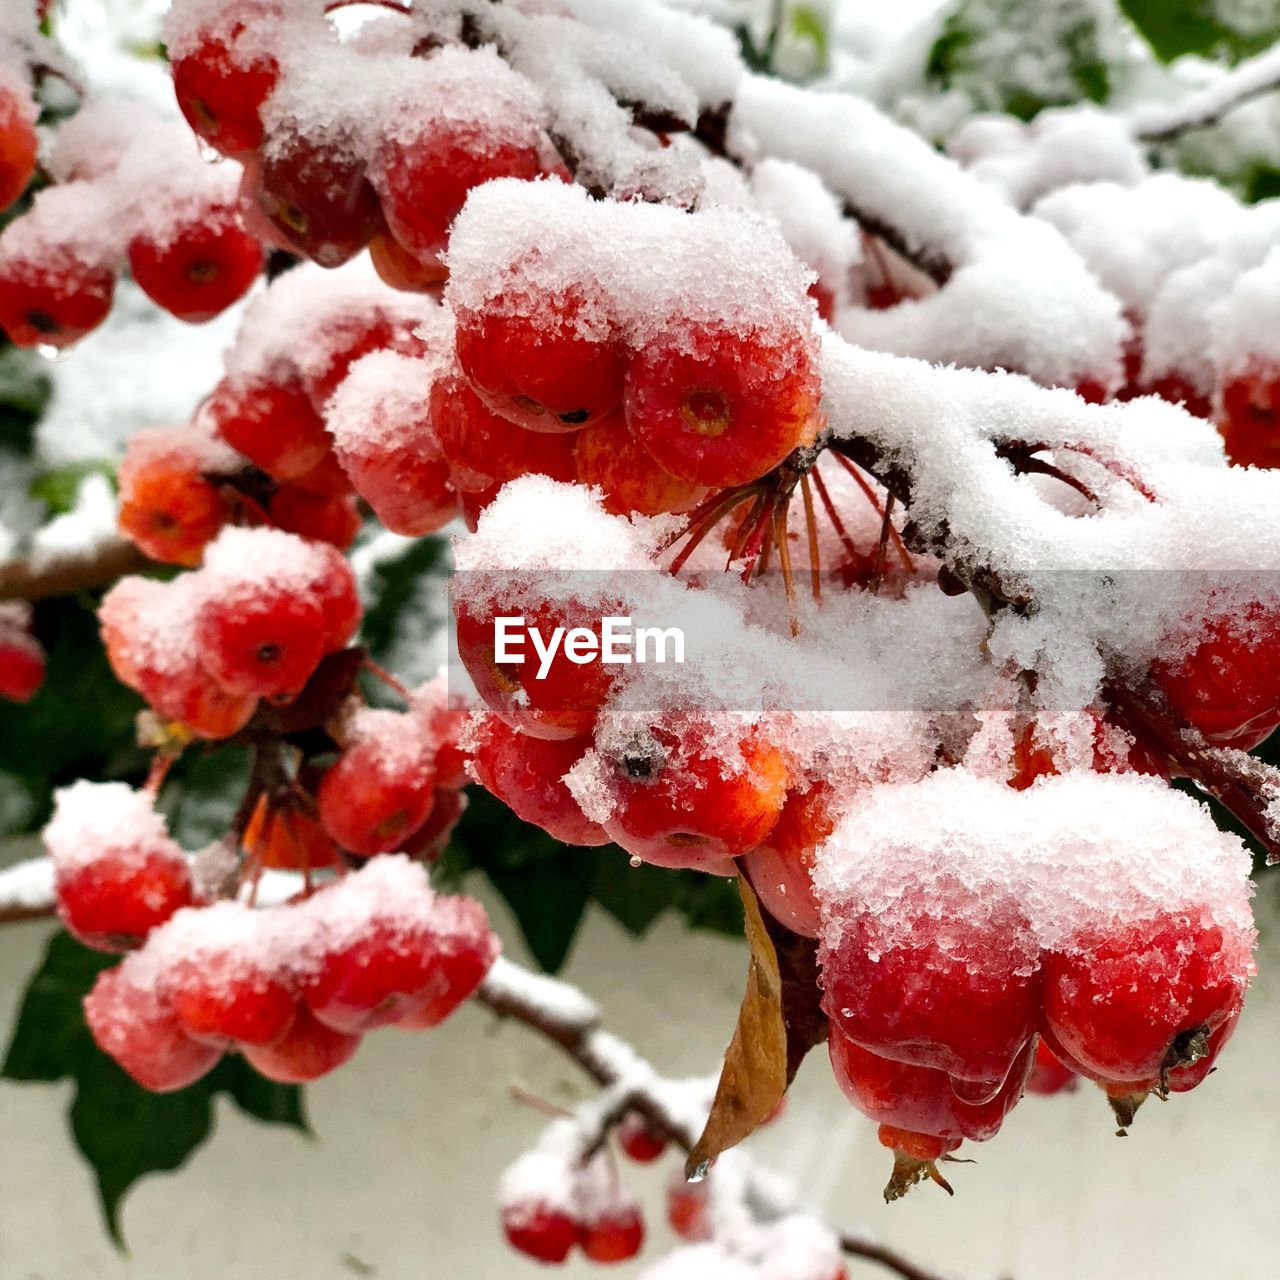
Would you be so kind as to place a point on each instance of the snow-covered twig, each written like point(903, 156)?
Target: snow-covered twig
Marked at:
point(561, 1013)
point(38, 578)
point(1205, 107)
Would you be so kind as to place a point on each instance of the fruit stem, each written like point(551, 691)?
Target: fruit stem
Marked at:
point(851, 467)
point(834, 516)
point(811, 527)
point(382, 674)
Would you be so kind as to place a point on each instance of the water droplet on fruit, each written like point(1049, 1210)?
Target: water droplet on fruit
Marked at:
point(208, 154)
point(636, 862)
point(54, 355)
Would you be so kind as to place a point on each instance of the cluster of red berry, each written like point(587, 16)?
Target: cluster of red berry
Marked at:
point(554, 1199)
point(129, 194)
point(21, 656)
point(326, 179)
point(294, 987)
point(253, 623)
point(937, 994)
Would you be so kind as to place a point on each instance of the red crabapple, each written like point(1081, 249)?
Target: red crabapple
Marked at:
point(392, 952)
point(718, 407)
point(944, 981)
point(527, 775)
point(148, 631)
point(273, 423)
point(315, 192)
point(114, 900)
point(1250, 417)
point(327, 476)
point(609, 457)
point(323, 517)
point(429, 842)
point(915, 1100)
point(384, 439)
point(465, 952)
point(444, 716)
point(333, 585)
point(561, 703)
point(261, 639)
point(130, 1020)
point(474, 504)
point(539, 1231)
point(555, 364)
point(223, 79)
point(639, 1141)
point(616, 1234)
point(1034, 759)
point(687, 796)
point(399, 269)
point(18, 141)
point(1049, 1075)
point(283, 836)
point(200, 268)
point(118, 874)
point(21, 661)
point(688, 1209)
point(307, 1051)
point(52, 300)
point(1130, 1002)
point(484, 448)
point(423, 173)
point(350, 337)
point(168, 508)
point(224, 975)
point(1228, 685)
point(781, 869)
point(380, 790)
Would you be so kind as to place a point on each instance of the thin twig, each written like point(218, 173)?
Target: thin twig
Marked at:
point(41, 578)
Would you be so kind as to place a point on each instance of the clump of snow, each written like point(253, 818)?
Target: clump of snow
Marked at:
point(1076, 851)
point(308, 315)
point(633, 267)
point(97, 820)
point(1017, 296)
point(1059, 148)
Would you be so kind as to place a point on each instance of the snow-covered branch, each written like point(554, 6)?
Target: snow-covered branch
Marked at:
point(1205, 107)
point(46, 575)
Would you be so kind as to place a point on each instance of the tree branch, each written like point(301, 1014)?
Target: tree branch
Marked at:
point(41, 577)
point(1251, 79)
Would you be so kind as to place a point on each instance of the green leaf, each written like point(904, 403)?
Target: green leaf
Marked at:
point(202, 792)
point(1176, 27)
point(59, 489)
point(548, 885)
point(809, 24)
point(50, 1037)
point(81, 723)
point(393, 586)
point(122, 1130)
point(24, 392)
point(637, 896)
point(1019, 58)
